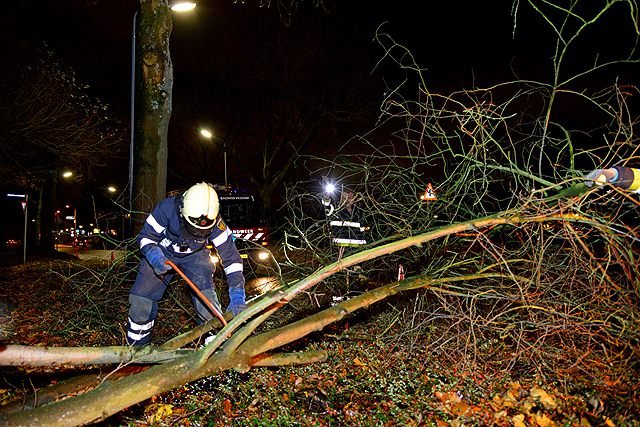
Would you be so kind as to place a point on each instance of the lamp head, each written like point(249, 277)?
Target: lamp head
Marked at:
point(182, 6)
point(330, 188)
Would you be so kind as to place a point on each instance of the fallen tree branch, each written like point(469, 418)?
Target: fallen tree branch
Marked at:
point(19, 355)
point(111, 397)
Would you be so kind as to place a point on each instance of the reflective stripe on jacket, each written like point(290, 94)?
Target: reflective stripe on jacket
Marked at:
point(346, 228)
point(163, 228)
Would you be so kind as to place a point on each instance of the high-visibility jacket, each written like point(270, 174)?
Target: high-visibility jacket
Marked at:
point(165, 228)
point(346, 228)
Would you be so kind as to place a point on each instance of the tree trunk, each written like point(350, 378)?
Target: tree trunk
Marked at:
point(44, 216)
point(153, 97)
point(266, 192)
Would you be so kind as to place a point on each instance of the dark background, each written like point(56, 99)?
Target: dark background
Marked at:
point(459, 45)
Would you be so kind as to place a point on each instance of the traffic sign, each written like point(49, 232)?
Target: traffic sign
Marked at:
point(429, 194)
point(24, 206)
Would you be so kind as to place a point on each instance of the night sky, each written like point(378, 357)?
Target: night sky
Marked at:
point(460, 44)
point(94, 37)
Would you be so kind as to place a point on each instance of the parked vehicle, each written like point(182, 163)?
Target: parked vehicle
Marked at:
point(244, 214)
point(81, 241)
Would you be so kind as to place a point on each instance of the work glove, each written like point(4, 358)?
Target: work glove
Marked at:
point(157, 260)
point(601, 176)
point(238, 304)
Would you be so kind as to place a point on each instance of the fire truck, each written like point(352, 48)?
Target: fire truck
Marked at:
point(245, 216)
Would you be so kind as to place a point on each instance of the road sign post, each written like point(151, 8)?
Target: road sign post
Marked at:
point(25, 204)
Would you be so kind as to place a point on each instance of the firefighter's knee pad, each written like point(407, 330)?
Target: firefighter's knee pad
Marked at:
point(141, 308)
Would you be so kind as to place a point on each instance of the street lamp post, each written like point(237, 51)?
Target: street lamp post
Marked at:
point(209, 135)
point(57, 236)
point(179, 6)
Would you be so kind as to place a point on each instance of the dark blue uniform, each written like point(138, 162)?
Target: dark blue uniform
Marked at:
point(165, 228)
point(346, 229)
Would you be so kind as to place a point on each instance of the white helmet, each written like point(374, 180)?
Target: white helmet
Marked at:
point(201, 206)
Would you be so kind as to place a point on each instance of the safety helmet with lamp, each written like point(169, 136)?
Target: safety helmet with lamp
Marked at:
point(201, 206)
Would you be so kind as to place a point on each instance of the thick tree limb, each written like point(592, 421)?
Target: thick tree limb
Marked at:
point(283, 359)
point(68, 388)
point(19, 355)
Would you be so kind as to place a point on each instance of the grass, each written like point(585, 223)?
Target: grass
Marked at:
point(386, 365)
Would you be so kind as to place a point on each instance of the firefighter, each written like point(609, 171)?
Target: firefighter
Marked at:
point(179, 229)
point(346, 229)
point(618, 176)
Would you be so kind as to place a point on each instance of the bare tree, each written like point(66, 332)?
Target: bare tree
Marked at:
point(284, 92)
point(49, 124)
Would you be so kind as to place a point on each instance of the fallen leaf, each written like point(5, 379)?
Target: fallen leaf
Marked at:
point(596, 404)
point(496, 402)
point(544, 397)
point(518, 420)
point(498, 415)
point(543, 421)
point(460, 408)
point(156, 411)
point(609, 422)
point(509, 400)
point(226, 406)
point(528, 405)
point(159, 409)
point(449, 397)
point(358, 362)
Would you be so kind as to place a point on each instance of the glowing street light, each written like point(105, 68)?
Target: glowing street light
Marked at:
point(111, 189)
point(67, 174)
point(182, 6)
point(206, 133)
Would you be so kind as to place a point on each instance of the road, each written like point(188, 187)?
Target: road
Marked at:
point(90, 253)
point(255, 283)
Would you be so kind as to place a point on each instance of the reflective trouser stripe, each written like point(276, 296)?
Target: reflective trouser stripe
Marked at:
point(138, 331)
point(233, 268)
point(352, 242)
point(345, 224)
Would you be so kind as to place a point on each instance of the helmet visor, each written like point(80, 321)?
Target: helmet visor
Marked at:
point(202, 222)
